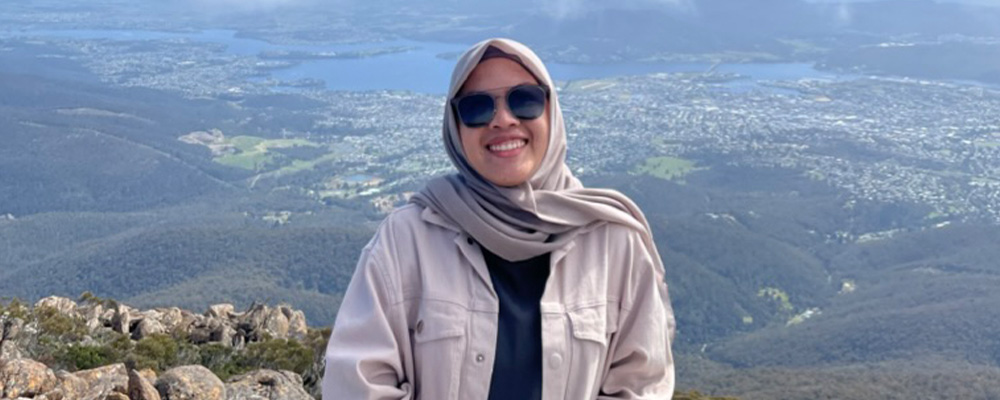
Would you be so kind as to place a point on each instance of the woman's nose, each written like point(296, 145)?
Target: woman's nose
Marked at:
point(503, 117)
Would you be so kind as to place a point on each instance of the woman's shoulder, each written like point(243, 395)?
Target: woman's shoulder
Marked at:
point(618, 242)
point(611, 233)
point(405, 214)
point(411, 225)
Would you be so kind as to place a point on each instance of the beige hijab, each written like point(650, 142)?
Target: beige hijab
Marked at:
point(542, 214)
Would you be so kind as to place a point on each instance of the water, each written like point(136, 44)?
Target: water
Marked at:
point(358, 178)
point(420, 68)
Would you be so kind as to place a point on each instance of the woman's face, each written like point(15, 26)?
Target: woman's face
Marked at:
point(507, 150)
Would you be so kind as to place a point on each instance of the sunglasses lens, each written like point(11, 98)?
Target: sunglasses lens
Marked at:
point(526, 102)
point(475, 110)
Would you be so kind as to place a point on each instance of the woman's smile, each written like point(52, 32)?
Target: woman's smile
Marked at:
point(508, 148)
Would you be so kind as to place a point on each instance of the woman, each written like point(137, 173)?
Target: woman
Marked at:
point(509, 279)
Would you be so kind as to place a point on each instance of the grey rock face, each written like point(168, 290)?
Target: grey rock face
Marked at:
point(10, 329)
point(224, 311)
point(170, 318)
point(25, 378)
point(100, 382)
point(122, 319)
point(148, 327)
point(266, 384)
point(192, 382)
point(61, 304)
point(139, 388)
point(204, 330)
point(297, 327)
point(70, 387)
point(116, 396)
point(276, 323)
point(92, 313)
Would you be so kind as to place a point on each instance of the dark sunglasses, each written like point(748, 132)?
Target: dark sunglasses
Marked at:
point(477, 109)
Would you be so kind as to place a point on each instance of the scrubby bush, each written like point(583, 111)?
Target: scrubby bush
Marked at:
point(316, 339)
point(89, 298)
point(696, 395)
point(222, 360)
point(278, 354)
point(13, 308)
point(158, 352)
point(86, 357)
point(60, 326)
point(112, 348)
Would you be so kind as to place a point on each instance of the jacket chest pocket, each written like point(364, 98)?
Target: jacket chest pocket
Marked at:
point(594, 323)
point(438, 338)
point(592, 328)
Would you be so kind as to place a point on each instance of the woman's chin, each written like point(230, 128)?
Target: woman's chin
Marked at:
point(508, 180)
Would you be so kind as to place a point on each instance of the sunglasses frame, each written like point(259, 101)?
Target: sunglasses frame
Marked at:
point(506, 99)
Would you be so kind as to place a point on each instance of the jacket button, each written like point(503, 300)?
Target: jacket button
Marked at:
point(480, 358)
point(469, 239)
point(555, 360)
point(420, 326)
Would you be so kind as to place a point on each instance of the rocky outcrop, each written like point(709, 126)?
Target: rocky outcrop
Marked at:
point(277, 323)
point(219, 324)
point(121, 320)
point(149, 374)
point(139, 388)
point(108, 382)
point(191, 382)
point(70, 387)
point(205, 330)
point(221, 311)
point(171, 318)
point(61, 304)
point(10, 329)
point(25, 378)
point(101, 382)
point(266, 384)
point(148, 327)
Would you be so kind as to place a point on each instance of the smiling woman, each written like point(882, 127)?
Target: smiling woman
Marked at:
point(508, 271)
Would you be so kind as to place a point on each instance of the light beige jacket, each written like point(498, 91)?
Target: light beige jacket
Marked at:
point(419, 318)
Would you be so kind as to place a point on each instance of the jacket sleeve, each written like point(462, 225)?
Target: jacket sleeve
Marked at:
point(641, 365)
point(365, 357)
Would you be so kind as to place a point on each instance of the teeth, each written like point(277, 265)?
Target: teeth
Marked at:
point(507, 146)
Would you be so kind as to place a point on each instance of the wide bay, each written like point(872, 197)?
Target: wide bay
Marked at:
point(412, 65)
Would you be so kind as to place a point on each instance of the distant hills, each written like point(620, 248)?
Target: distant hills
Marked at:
point(748, 251)
point(193, 265)
point(845, 36)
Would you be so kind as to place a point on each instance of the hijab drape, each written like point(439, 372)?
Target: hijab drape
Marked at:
point(543, 213)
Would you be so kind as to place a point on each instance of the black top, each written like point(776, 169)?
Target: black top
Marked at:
point(517, 366)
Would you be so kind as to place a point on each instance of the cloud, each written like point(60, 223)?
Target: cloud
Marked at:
point(562, 9)
point(844, 14)
point(243, 5)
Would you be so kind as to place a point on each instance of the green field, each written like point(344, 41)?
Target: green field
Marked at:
point(252, 153)
point(588, 85)
point(669, 168)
